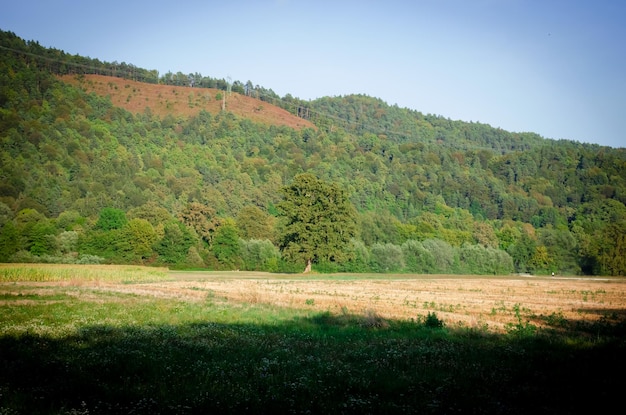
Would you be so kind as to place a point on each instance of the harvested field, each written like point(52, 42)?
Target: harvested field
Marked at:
point(107, 339)
point(467, 301)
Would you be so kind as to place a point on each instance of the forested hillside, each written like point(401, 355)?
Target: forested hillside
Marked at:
point(84, 180)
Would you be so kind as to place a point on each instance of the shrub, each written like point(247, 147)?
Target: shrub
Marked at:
point(360, 258)
point(259, 255)
point(417, 258)
point(521, 328)
point(86, 259)
point(432, 321)
point(387, 258)
point(24, 257)
point(444, 254)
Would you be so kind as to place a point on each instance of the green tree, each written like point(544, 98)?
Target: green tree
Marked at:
point(151, 212)
point(613, 259)
point(360, 261)
point(225, 246)
point(485, 235)
point(319, 221)
point(477, 259)
point(111, 218)
point(259, 255)
point(32, 227)
point(417, 258)
point(202, 219)
point(254, 223)
point(386, 257)
point(100, 243)
point(541, 260)
point(562, 247)
point(136, 239)
point(6, 214)
point(444, 254)
point(522, 252)
point(42, 238)
point(175, 243)
point(68, 220)
point(9, 241)
point(66, 242)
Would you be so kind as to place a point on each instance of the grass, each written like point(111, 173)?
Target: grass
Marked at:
point(80, 273)
point(73, 349)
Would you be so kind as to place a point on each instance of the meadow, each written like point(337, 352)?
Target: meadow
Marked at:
point(125, 339)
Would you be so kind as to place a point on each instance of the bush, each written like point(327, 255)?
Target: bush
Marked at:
point(387, 258)
point(432, 321)
point(259, 255)
point(417, 258)
point(86, 259)
point(444, 254)
point(24, 257)
point(360, 261)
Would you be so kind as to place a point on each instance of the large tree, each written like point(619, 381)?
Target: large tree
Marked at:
point(319, 221)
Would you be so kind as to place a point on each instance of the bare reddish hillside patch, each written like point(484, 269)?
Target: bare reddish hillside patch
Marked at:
point(164, 100)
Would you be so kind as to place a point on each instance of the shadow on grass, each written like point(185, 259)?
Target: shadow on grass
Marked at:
point(320, 364)
point(611, 323)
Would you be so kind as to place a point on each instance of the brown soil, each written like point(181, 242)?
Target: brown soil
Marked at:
point(180, 101)
point(480, 302)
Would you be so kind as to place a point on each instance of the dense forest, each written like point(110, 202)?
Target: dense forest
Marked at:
point(84, 181)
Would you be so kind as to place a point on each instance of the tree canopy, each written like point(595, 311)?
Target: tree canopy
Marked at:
point(319, 223)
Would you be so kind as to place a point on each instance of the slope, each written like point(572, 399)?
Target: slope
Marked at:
point(163, 100)
point(463, 192)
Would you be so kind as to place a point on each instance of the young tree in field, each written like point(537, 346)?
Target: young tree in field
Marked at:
point(319, 221)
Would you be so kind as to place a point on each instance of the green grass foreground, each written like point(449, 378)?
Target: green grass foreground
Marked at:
point(79, 350)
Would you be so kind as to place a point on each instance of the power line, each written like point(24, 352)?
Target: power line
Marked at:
point(113, 68)
point(116, 70)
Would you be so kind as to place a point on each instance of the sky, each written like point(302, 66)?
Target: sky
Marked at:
point(553, 67)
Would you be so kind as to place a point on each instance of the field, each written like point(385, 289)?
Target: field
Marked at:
point(120, 339)
point(460, 301)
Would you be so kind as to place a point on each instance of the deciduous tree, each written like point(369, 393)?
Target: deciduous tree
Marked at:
point(319, 221)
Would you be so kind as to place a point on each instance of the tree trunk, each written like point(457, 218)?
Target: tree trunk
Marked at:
point(308, 267)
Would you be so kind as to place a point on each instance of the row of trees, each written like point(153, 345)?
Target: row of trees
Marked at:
point(317, 224)
point(555, 206)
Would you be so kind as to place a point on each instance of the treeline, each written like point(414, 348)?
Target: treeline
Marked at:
point(149, 234)
point(358, 114)
point(201, 192)
point(58, 62)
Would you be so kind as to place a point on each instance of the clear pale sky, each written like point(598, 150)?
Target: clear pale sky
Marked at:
point(554, 67)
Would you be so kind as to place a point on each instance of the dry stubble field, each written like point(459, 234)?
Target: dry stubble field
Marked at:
point(467, 301)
